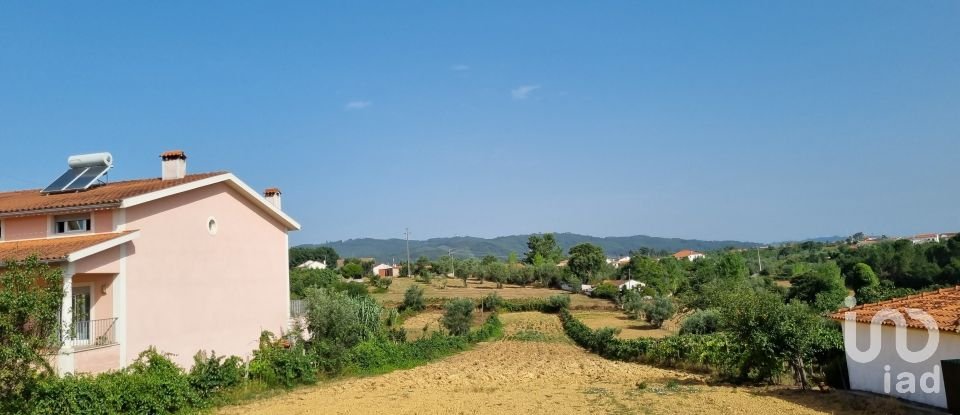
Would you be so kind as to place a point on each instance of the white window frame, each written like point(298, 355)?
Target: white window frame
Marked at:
point(93, 304)
point(93, 296)
point(70, 218)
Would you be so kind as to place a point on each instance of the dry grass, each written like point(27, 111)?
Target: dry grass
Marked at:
point(453, 288)
point(532, 377)
point(629, 329)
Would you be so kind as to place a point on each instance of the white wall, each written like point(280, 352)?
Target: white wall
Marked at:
point(872, 377)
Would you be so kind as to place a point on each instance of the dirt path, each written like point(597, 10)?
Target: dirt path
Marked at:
point(550, 376)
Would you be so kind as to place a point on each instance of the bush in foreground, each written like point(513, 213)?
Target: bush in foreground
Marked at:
point(151, 385)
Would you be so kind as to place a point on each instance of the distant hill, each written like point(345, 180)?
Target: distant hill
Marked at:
point(822, 239)
point(385, 250)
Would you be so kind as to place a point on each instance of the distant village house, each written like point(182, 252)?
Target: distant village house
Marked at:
point(384, 270)
point(310, 264)
point(688, 255)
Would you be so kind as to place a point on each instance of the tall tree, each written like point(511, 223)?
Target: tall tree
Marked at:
point(861, 276)
point(543, 249)
point(665, 276)
point(821, 287)
point(586, 260)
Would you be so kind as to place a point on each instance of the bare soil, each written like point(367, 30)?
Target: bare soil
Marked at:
point(551, 377)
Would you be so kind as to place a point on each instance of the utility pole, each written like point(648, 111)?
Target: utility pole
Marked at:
point(758, 259)
point(453, 269)
point(407, 234)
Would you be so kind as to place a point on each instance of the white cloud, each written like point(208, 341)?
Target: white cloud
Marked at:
point(523, 91)
point(460, 67)
point(357, 105)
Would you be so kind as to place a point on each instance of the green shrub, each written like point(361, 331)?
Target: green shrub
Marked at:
point(550, 304)
point(352, 270)
point(413, 298)
point(457, 317)
point(659, 310)
point(151, 385)
point(377, 356)
point(491, 302)
point(701, 322)
point(303, 278)
point(213, 373)
point(633, 304)
point(491, 329)
point(340, 319)
point(705, 351)
point(861, 276)
point(352, 289)
point(606, 290)
point(277, 362)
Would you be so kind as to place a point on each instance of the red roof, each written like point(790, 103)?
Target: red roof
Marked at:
point(53, 249)
point(685, 253)
point(943, 305)
point(23, 201)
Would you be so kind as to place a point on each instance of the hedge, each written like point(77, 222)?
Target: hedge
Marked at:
point(552, 304)
point(153, 384)
point(706, 352)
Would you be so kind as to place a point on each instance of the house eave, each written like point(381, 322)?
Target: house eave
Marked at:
point(231, 180)
point(103, 246)
point(59, 210)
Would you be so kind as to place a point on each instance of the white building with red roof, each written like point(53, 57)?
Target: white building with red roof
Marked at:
point(688, 255)
point(926, 362)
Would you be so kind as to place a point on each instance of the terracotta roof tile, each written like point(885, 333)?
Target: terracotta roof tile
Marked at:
point(173, 154)
point(943, 305)
point(23, 201)
point(684, 253)
point(53, 249)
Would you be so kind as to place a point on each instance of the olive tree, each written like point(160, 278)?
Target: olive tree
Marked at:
point(457, 316)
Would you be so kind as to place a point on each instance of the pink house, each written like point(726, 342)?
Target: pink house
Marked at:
point(181, 262)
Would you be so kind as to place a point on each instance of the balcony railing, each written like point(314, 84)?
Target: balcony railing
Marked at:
point(92, 333)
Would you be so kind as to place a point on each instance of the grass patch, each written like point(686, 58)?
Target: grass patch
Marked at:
point(530, 336)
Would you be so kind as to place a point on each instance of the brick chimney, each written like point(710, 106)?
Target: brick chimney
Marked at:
point(174, 164)
point(273, 196)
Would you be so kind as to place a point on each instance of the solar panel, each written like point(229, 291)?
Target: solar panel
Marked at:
point(87, 178)
point(64, 180)
point(85, 170)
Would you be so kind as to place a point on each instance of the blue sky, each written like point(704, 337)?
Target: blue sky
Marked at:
point(756, 121)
